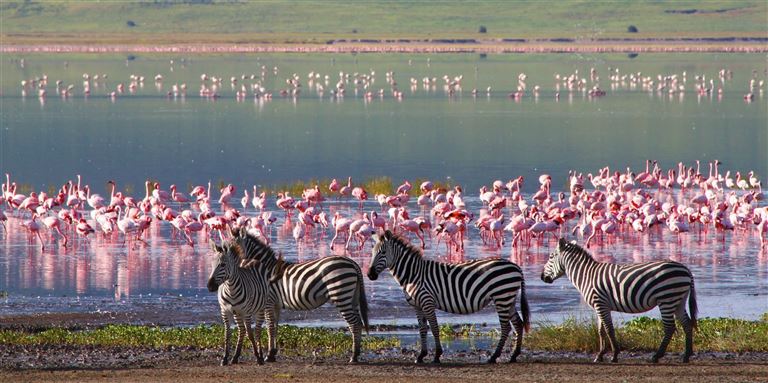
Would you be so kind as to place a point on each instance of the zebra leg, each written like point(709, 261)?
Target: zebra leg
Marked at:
point(422, 335)
point(603, 344)
point(605, 317)
point(668, 320)
point(685, 320)
point(518, 323)
point(257, 351)
point(503, 311)
point(241, 330)
point(432, 319)
point(272, 333)
point(249, 331)
point(227, 337)
point(355, 324)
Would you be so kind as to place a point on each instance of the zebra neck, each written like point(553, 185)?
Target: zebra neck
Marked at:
point(408, 267)
point(576, 262)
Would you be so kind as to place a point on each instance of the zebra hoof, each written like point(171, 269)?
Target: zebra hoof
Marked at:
point(224, 362)
point(260, 361)
point(598, 359)
point(353, 361)
point(513, 360)
point(436, 361)
point(614, 360)
point(491, 360)
point(420, 360)
point(685, 359)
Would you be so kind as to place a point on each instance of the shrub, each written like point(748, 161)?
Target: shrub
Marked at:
point(130, 23)
point(482, 29)
point(632, 29)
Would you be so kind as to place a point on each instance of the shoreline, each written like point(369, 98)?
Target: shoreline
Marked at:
point(387, 46)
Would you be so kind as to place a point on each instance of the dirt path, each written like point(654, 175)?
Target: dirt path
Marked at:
point(206, 371)
point(90, 364)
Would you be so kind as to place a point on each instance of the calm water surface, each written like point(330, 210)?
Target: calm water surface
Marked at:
point(429, 134)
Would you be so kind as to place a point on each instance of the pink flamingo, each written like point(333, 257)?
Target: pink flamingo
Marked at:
point(334, 186)
point(178, 197)
point(345, 191)
point(360, 194)
point(340, 226)
point(285, 202)
point(226, 194)
point(53, 223)
point(34, 228)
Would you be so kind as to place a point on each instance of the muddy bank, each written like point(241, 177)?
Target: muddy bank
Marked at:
point(83, 364)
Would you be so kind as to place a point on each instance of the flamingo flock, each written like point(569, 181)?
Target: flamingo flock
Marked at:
point(363, 85)
point(600, 208)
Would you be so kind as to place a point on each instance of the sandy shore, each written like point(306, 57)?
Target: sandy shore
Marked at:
point(460, 46)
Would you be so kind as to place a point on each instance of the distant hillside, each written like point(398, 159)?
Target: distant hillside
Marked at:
point(318, 21)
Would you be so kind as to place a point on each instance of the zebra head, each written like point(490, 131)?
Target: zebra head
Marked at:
point(227, 259)
point(555, 268)
point(382, 256)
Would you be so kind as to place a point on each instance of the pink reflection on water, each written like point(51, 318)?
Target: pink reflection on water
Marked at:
point(106, 266)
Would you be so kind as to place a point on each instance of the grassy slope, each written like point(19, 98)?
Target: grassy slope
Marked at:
point(307, 21)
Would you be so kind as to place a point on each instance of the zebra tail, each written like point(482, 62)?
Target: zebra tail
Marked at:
point(524, 308)
point(362, 301)
point(692, 306)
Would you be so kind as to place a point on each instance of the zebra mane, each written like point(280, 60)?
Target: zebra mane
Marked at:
point(253, 248)
point(572, 248)
point(403, 242)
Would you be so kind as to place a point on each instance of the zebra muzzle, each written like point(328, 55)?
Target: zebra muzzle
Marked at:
point(212, 285)
point(546, 278)
point(372, 274)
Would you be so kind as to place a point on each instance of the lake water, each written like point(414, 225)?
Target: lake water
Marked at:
point(429, 134)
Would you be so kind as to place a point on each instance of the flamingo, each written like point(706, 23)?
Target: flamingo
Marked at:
point(53, 223)
point(360, 194)
point(178, 197)
point(34, 228)
point(345, 191)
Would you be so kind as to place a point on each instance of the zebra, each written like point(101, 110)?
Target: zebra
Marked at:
point(629, 288)
point(306, 286)
point(241, 296)
point(456, 288)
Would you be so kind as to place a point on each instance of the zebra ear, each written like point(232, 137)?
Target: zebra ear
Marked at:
point(215, 248)
point(387, 234)
point(561, 243)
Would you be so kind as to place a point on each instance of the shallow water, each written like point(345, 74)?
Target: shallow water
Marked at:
point(167, 279)
point(468, 140)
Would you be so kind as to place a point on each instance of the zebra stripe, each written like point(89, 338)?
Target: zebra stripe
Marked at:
point(308, 285)
point(632, 288)
point(456, 288)
point(240, 289)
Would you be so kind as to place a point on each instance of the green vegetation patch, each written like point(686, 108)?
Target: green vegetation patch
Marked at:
point(291, 339)
point(639, 334)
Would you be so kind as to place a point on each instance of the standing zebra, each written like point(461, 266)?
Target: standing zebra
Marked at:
point(456, 288)
point(632, 288)
point(241, 295)
point(305, 286)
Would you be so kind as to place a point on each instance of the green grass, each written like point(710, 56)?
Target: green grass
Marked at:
point(644, 334)
point(291, 339)
point(317, 21)
point(639, 334)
